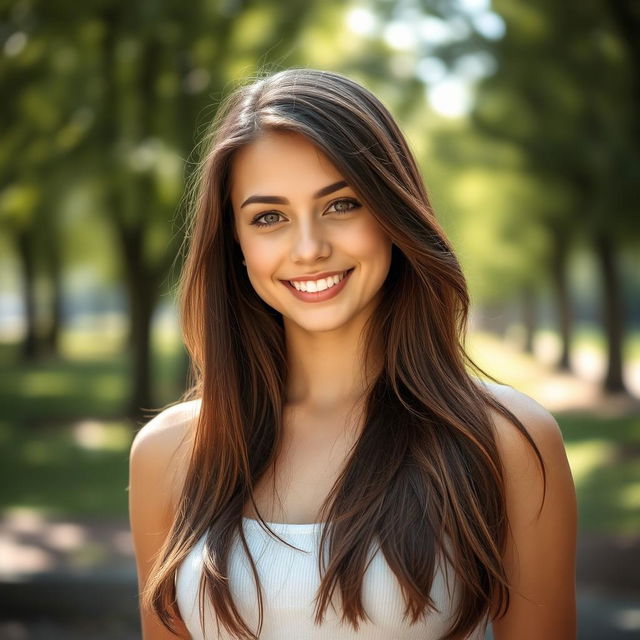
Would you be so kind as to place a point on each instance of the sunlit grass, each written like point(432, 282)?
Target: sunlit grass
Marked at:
point(96, 435)
point(51, 471)
point(586, 457)
point(63, 424)
point(59, 389)
point(93, 377)
point(49, 383)
point(605, 463)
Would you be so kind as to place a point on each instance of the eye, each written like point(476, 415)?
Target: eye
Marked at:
point(344, 205)
point(256, 222)
point(340, 206)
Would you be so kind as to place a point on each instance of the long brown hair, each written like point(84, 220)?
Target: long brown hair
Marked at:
point(425, 475)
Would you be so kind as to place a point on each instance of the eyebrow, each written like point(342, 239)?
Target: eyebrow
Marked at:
point(280, 200)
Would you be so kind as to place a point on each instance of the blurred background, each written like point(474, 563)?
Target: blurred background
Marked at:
point(525, 118)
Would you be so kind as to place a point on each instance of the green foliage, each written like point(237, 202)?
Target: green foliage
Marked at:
point(17, 203)
point(109, 99)
point(563, 94)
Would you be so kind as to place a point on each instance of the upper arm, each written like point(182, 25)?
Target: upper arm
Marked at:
point(541, 547)
point(157, 465)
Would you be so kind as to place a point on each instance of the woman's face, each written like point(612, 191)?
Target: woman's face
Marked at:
point(295, 217)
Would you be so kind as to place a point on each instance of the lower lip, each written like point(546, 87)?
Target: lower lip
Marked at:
point(318, 296)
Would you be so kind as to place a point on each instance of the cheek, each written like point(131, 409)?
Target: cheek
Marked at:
point(369, 242)
point(259, 255)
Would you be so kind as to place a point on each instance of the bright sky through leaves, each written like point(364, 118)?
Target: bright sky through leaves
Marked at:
point(449, 91)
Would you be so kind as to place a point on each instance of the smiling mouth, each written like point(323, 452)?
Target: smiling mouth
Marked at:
point(343, 275)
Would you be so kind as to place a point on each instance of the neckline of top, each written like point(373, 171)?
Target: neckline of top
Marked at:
point(291, 527)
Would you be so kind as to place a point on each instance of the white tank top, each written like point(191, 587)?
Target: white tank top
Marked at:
point(290, 579)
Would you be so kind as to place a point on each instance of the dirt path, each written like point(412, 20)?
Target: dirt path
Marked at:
point(578, 390)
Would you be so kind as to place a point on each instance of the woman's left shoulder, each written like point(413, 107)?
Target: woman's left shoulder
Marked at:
point(539, 422)
point(542, 515)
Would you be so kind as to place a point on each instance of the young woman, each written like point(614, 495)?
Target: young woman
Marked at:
point(332, 407)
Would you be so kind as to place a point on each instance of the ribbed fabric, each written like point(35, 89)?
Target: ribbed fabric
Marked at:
point(290, 580)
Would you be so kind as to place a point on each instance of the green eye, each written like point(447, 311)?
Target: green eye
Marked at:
point(344, 205)
point(265, 224)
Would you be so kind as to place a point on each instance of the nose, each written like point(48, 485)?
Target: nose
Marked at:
point(309, 243)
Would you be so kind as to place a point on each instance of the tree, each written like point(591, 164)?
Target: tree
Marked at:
point(544, 99)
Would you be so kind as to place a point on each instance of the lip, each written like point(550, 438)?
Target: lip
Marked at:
point(316, 276)
point(319, 296)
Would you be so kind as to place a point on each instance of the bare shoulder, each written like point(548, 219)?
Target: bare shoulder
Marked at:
point(526, 485)
point(157, 468)
point(167, 430)
point(537, 420)
point(161, 447)
point(542, 515)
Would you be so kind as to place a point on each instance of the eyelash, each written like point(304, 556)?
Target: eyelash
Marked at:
point(355, 203)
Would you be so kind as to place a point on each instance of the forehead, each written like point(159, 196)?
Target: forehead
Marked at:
point(280, 163)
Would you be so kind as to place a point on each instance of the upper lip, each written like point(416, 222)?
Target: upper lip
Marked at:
point(317, 276)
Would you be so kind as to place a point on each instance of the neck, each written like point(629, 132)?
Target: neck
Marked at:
point(327, 370)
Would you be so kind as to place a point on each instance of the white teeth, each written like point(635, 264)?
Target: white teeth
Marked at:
point(318, 285)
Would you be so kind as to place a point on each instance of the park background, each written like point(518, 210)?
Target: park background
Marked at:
point(525, 119)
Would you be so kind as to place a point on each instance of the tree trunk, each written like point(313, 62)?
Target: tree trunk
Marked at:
point(30, 346)
point(140, 286)
point(627, 20)
point(142, 309)
point(528, 316)
point(141, 291)
point(612, 311)
point(560, 278)
point(51, 337)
